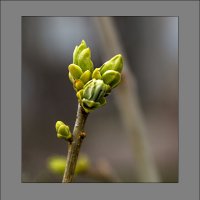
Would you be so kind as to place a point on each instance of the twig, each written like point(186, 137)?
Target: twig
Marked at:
point(127, 100)
point(74, 147)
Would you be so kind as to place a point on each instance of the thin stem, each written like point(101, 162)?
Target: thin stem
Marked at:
point(74, 147)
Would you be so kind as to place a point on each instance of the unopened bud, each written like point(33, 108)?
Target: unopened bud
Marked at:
point(111, 78)
point(94, 90)
point(115, 63)
point(96, 74)
point(85, 77)
point(84, 60)
point(92, 95)
point(58, 124)
point(78, 84)
point(63, 131)
point(78, 50)
point(75, 71)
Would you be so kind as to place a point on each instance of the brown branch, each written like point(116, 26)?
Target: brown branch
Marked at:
point(74, 147)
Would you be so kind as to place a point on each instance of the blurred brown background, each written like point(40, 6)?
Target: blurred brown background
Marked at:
point(151, 45)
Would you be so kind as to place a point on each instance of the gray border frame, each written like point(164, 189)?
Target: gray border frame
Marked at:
point(188, 186)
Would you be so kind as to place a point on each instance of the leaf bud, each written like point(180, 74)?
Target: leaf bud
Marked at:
point(96, 74)
point(63, 131)
point(75, 71)
point(111, 78)
point(115, 63)
point(84, 60)
point(78, 50)
point(86, 76)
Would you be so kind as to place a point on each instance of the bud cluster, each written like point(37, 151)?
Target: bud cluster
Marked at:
point(92, 86)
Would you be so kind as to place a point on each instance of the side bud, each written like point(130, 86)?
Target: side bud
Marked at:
point(115, 63)
point(58, 124)
point(75, 72)
point(111, 78)
point(63, 131)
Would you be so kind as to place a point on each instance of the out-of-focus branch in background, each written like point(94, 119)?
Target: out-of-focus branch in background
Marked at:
point(128, 104)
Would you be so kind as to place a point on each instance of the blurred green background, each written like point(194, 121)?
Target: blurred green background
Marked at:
point(151, 46)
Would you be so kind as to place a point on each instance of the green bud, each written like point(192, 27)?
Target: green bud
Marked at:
point(84, 60)
point(82, 57)
point(96, 74)
point(78, 50)
point(108, 90)
point(115, 63)
point(111, 78)
point(92, 95)
point(85, 77)
point(71, 78)
point(64, 132)
point(78, 84)
point(58, 124)
point(94, 90)
point(75, 71)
